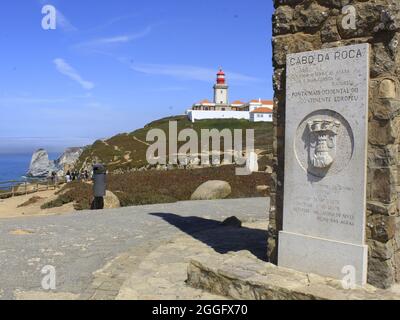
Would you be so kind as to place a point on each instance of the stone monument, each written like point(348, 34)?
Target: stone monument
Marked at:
point(326, 162)
point(318, 187)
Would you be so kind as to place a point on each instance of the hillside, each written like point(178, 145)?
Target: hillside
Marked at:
point(152, 186)
point(128, 150)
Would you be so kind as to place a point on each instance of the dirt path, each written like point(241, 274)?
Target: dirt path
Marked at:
point(9, 207)
point(141, 141)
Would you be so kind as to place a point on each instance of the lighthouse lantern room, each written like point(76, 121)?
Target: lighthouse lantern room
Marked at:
point(221, 89)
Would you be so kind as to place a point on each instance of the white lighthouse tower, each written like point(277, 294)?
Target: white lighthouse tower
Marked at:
point(221, 90)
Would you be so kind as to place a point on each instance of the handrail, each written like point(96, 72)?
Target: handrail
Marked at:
point(13, 188)
point(23, 181)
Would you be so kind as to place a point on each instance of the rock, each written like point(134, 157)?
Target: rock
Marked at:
point(309, 16)
point(387, 89)
point(283, 17)
point(252, 162)
point(269, 170)
point(111, 201)
point(381, 273)
point(213, 189)
point(40, 165)
point(68, 159)
point(232, 222)
point(195, 161)
point(216, 162)
point(262, 188)
point(329, 32)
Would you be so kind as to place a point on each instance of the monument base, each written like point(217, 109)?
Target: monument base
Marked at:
point(322, 256)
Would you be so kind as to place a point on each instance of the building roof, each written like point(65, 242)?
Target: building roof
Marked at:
point(262, 110)
point(265, 102)
point(205, 101)
point(238, 102)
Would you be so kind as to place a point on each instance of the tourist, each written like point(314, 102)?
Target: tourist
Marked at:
point(53, 178)
point(68, 176)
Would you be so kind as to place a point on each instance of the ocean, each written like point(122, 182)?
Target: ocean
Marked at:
point(15, 166)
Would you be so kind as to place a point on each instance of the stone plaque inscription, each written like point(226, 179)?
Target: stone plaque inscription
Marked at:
point(325, 160)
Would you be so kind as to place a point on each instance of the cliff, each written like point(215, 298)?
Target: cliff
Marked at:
point(41, 166)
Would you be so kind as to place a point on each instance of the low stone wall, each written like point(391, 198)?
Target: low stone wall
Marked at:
point(242, 276)
point(195, 115)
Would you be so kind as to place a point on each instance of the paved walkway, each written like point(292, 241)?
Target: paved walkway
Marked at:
point(162, 274)
point(95, 253)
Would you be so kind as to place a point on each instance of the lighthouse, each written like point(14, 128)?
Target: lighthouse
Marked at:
point(221, 89)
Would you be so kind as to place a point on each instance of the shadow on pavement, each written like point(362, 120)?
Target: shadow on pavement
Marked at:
point(221, 238)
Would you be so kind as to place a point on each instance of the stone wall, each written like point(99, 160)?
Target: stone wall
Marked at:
point(305, 25)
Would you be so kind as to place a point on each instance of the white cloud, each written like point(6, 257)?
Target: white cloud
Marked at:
point(113, 21)
point(65, 69)
point(64, 23)
point(101, 42)
point(189, 72)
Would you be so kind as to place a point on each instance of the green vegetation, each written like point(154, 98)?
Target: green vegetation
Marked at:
point(128, 150)
point(79, 193)
point(151, 187)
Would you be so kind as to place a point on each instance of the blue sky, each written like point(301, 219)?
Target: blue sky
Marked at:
point(113, 66)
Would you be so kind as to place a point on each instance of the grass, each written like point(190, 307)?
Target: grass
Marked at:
point(151, 187)
point(128, 150)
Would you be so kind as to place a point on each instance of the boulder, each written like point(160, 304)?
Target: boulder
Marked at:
point(211, 190)
point(40, 165)
point(252, 162)
point(263, 190)
point(269, 170)
point(232, 222)
point(111, 201)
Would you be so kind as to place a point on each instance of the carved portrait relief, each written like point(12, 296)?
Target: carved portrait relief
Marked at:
point(324, 143)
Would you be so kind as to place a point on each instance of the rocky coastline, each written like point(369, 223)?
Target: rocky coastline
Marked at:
point(41, 166)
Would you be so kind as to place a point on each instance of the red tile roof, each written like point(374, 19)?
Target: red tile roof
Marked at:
point(262, 110)
point(266, 102)
point(204, 101)
point(238, 102)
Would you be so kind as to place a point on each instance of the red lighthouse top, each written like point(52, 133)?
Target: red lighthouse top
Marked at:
point(221, 77)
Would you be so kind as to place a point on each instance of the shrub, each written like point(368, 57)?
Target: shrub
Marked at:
point(78, 192)
point(152, 187)
point(32, 200)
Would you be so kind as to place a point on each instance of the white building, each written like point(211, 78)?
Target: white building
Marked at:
point(261, 115)
point(255, 110)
